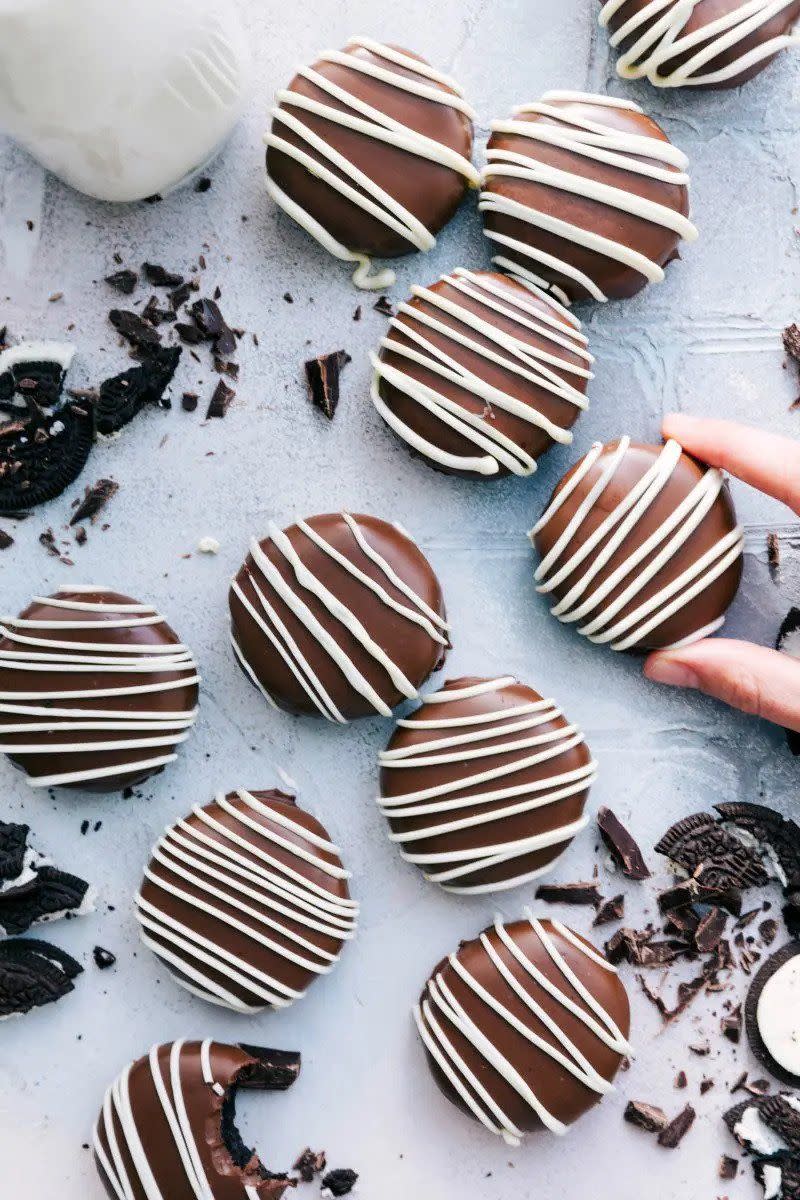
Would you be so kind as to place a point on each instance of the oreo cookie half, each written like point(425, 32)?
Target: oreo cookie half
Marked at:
point(32, 376)
point(788, 642)
point(772, 1014)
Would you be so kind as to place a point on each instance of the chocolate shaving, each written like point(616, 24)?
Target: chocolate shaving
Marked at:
point(610, 910)
point(123, 281)
point(697, 891)
point(220, 400)
point(323, 374)
point(673, 1134)
point(680, 1080)
point(94, 501)
point(768, 931)
point(33, 973)
point(645, 1116)
point(582, 892)
point(621, 845)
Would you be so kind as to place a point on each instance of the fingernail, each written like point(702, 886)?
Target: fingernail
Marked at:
point(662, 669)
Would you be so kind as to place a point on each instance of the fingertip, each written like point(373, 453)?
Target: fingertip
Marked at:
point(670, 670)
point(676, 424)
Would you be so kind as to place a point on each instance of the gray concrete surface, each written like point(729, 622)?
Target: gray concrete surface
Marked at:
point(706, 341)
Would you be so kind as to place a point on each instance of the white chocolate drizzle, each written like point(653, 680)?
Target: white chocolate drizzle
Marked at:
point(440, 1012)
point(588, 602)
point(325, 163)
point(664, 40)
point(265, 577)
point(237, 868)
point(485, 738)
point(118, 1108)
point(47, 647)
point(635, 153)
point(544, 368)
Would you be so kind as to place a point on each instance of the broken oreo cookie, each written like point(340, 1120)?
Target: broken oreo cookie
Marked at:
point(772, 1014)
point(33, 973)
point(32, 890)
point(769, 1127)
point(32, 376)
point(788, 642)
point(122, 396)
point(700, 846)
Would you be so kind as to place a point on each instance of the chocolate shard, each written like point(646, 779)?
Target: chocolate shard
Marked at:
point(645, 1116)
point(673, 1134)
point(212, 324)
point(278, 1069)
point(731, 1024)
point(681, 1080)
point(123, 281)
point(220, 400)
point(728, 1167)
point(621, 845)
point(640, 948)
point(610, 910)
point(124, 395)
point(710, 930)
point(768, 931)
point(33, 973)
point(697, 891)
point(383, 305)
point(51, 895)
point(791, 341)
point(323, 374)
point(6, 540)
point(159, 276)
point(134, 328)
point(339, 1182)
point(94, 500)
point(581, 892)
point(189, 333)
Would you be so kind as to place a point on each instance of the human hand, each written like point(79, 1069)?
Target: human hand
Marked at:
point(752, 678)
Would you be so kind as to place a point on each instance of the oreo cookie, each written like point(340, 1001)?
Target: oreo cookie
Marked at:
point(772, 1014)
point(33, 973)
point(702, 847)
point(32, 890)
point(32, 377)
point(788, 642)
point(777, 838)
point(40, 456)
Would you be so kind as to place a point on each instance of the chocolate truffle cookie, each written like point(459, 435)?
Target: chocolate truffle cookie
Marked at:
point(369, 151)
point(525, 1027)
point(698, 43)
point(639, 547)
point(339, 616)
point(96, 690)
point(585, 195)
point(772, 1014)
point(166, 1130)
point(480, 374)
point(484, 786)
point(246, 901)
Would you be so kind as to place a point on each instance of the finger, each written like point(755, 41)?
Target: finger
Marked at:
point(764, 460)
point(756, 680)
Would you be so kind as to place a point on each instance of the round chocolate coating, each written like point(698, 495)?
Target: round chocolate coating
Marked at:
point(167, 1123)
point(246, 901)
point(490, 984)
point(485, 785)
point(610, 278)
point(429, 190)
point(341, 616)
point(718, 72)
point(98, 689)
point(655, 555)
point(524, 351)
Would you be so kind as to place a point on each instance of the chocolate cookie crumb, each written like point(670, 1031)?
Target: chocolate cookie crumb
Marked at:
point(103, 958)
point(645, 1116)
point(673, 1134)
point(339, 1182)
point(94, 500)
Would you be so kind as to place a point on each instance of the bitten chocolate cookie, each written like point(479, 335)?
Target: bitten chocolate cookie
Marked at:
point(485, 785)
point(96, 690)
point(639, 547)
point(525, 1027)
point(167, 1126)
point(339, 616)
point(369, 151)
point(772, 1014)
point(246, 901)
point(481, 374)
point(698, 43)
point(585, 195)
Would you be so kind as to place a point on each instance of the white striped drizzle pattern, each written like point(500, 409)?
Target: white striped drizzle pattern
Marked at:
point(665, 40)
point(447, 868)
point(117, 1104)
point(276, 633)
point(599, 143)
point(587, 603)
point(242, 872)
point(46, 652)
point(544, 368)
point(347, 179)
point(440, 1010)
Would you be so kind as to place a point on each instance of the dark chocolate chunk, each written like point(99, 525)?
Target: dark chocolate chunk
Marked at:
point(189, 401)
point(773, 553)
point(310, 1163)
point(768, 931)
point(764, 974)
point(33, 973)
point(610, 910)
point(190, 334)
point(103, 958)
point(213, 326)
point(728, 1167)
point(52, 894)
point(155, 314)
point(639, 948)
point(621, 845)
point(203, 184)
point(323, 375)
point(582, 892)
point(339, 1182)
point(160, 276)
point(123, 396)
point(673, 1134)
point(706, 1085)
point(94, 500)
point(645, 1116)
point(134, 328)
point(123, 281)
point(6, 540)
point(220, 401)
point(180, 295)
point(731, 1024)
point(383, 305)
point(710, 930)
point(680, 1080)
point(701, 1049)
point(791, 341)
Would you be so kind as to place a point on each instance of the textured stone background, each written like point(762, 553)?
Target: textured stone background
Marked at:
point(707, 341)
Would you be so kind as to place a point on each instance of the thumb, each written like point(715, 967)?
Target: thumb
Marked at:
point(763, 682)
